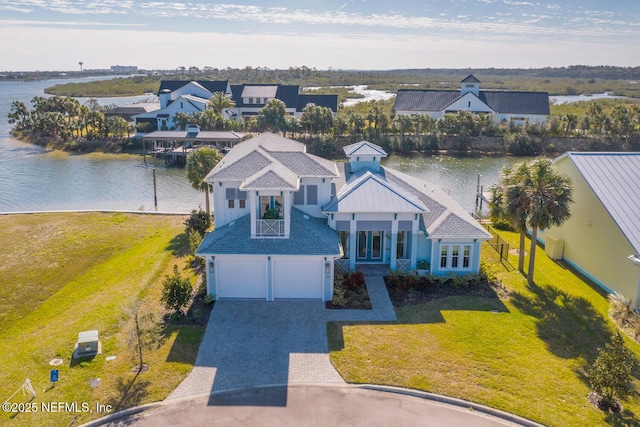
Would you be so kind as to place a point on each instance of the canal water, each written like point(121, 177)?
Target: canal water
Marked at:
point(35, 179)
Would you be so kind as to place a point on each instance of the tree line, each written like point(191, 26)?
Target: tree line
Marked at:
point(610, 127)
point(64, 121)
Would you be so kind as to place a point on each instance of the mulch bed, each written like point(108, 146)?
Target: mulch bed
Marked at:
point(405, 297)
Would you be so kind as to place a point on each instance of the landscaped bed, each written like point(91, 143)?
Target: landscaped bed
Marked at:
point(72, 272)
point(526, 351)
point(350, 292)
point(409, 288)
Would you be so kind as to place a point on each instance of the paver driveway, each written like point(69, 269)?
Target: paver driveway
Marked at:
point(250, 343)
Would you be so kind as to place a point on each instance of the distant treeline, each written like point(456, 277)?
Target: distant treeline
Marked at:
point(556, 81)
point(574, 71)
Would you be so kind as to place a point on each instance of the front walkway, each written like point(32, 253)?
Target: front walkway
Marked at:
point(253, 343)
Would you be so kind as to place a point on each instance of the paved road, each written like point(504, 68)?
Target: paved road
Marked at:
point(318, 405)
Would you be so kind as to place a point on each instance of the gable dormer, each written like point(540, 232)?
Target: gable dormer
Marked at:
point(364, 155)
point(470, 84)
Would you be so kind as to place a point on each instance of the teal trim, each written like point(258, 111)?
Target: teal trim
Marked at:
point(587, 275)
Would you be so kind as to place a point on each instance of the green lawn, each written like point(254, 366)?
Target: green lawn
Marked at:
point(529, 358)
point(65, 273)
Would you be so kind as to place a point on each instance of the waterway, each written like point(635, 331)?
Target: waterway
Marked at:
point(36, 179)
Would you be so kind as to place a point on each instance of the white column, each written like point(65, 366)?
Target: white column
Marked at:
point(394, 244)
point(286, 212)
point(253, 208)
point(353, 244)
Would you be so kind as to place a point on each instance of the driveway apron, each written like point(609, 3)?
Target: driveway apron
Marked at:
point(249, 343)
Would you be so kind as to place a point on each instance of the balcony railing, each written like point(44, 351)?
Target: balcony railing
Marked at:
point(342, 265)
point(270, 227)
point(403, 264)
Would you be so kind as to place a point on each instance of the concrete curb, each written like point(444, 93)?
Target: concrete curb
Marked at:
point(459, 403)
point(516, 419)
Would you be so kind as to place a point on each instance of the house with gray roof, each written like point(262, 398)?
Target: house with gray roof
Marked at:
point(601, 239)
point(189, 97)
point(503, 106)
point(286, 219)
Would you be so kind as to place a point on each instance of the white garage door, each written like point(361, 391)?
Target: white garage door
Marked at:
point(242, 278)
point(297, 278)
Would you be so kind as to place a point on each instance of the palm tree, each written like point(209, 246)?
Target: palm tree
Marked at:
point(199, 164)
point(508, 203)
point(531, 195)
point(271, 116)
point(549, 196)
point(219, 101)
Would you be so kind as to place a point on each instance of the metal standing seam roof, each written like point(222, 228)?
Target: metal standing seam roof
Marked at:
point(307, 236)
point(255, 91)
point(364, 148)
point(441, 216)
point(329, 101)
point(500, 101)
point(370, 192)
point(178, 135)
point(615, 180)
point(210, 85)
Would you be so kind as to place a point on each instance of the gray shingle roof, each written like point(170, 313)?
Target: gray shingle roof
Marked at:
point(270, 161)
point(305, 164)
point(308, 236)
point(615, 180)
point(499, 101)
point(271, 179)
point(446, 218)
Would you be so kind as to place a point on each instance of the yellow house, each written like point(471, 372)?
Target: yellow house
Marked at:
point(601, 239)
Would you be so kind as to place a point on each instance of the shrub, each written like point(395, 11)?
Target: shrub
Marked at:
point(621, 310)
point(199, 221)
point(458, 281)
point(610, 375)
point(176, 291)
point(195, 238)
point(354, 280)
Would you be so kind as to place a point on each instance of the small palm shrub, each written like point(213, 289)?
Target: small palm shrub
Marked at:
point(621, 310)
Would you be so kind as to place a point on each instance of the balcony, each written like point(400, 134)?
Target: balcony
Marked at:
point(270, 228)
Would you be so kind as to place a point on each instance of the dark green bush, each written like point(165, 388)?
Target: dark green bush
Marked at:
point(199, 221)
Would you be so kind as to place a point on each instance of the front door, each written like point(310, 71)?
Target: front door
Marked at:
point(370, 246)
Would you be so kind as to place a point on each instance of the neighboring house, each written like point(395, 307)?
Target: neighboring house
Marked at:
point(504, 106)
point(128, 112)
point(249, 98)
point(285, 219)
point(601, 239)
point(182, 96)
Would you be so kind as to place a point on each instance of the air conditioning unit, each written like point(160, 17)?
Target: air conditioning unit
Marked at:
point(554, 248)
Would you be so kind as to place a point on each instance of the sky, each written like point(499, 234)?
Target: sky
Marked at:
point(52, 35)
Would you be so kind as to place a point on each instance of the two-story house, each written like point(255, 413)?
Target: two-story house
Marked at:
point(285, 219)
point(503, 106)
point(189, 97)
